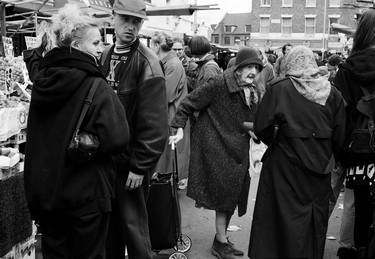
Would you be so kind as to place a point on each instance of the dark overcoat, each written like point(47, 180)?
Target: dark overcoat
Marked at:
point(291, 211)
point(219, 161)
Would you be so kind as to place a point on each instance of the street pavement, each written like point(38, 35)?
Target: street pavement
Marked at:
point(198, 224)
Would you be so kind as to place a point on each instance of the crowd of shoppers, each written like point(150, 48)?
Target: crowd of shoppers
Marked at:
point(316, 119)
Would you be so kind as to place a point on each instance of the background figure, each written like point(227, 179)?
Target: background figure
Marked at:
point(280, 62)
point(70, 201)
point(207, 69)
point(267, 74)
point(333, 66)
point(218, 173)
point(135, 73)
point(302, 121)
point(176, 88)
point(356, 81)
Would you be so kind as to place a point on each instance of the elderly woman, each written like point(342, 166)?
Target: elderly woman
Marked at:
point(302, 120)
point(219, 161)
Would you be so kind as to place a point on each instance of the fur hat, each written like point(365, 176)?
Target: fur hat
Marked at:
point(135, 8)
point(247, 56)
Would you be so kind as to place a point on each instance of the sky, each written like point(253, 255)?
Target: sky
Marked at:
point(226, 6)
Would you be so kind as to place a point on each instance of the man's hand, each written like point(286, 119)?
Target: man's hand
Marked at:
point(134, 181)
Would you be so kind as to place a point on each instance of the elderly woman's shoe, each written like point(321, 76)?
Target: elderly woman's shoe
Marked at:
point(222, 250)
point(235, 251)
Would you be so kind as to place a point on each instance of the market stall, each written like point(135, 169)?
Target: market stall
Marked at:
point(16, 228)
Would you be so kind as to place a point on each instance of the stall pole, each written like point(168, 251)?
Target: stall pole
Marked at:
point(2, 28)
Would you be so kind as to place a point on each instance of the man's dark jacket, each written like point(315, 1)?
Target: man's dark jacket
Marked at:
point(52, 182)
point(142, 92)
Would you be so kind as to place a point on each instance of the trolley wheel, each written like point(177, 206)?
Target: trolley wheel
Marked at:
point(178, 255)
point(183, 244)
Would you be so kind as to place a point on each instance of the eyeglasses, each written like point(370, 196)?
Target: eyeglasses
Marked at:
point(177, 49)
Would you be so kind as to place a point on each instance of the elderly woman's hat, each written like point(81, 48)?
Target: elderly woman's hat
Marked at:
point(248, 56)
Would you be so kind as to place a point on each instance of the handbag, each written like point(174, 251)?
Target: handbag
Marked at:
point(83, 145)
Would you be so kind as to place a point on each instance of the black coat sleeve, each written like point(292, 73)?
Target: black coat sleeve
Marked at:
point(339, 129)
point(195, 101)
point(151, 127)
point(107, 120)
point(265, 117)
point(32, 58)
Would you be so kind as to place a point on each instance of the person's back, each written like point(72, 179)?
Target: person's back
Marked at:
point(302, 120)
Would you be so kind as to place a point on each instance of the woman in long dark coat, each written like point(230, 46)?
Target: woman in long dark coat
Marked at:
point(302, 120)
point(219, 162)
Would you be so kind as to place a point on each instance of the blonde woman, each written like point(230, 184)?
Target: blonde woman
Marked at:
point(71, 202)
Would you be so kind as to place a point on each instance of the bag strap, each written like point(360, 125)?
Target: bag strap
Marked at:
point(86, 105)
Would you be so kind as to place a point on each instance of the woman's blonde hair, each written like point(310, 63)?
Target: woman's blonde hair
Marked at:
point(70, 24)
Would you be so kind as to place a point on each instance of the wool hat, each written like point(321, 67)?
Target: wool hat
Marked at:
point(135, 8)
point(247, 56)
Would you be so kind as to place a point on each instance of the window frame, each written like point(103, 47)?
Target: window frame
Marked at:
point(310, 17)
point(246, 30)
point(334, 5)
point(333, 16)
point(283, 4)
point(265, 16)
point(282, 25)
point(265, 5)
point(310, 5)
point(225, 40)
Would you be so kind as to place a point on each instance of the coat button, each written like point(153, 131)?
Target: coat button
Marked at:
point(313, 134)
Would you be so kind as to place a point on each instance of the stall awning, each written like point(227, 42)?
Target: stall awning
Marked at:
point(342, 28)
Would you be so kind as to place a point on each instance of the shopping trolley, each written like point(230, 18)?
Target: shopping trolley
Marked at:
point(164, 214)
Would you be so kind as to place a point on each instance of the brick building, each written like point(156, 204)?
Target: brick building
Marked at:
point(233, 30)
point(275, 22)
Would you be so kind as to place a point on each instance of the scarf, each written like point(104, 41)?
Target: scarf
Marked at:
point(303, 71)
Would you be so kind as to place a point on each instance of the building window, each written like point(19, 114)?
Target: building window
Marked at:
point(216, 39)
point(286, 25)
point(310, 3)
point(248, 28)
point(265, 3)
point(334, 3)
point(226, 40)
point(237, 40)
point(333, 20)
point(309, 25)
point(148, 1)
point(264, 24)
point(287, 3)
point(228, 28)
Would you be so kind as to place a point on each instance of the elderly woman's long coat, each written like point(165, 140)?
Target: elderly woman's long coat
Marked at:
point(219, 161)
point(291, 210)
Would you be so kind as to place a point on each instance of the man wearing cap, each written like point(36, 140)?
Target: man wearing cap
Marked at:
point(219, 161)
point(134, 72)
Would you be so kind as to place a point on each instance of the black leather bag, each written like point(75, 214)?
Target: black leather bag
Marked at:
point(83, 145)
